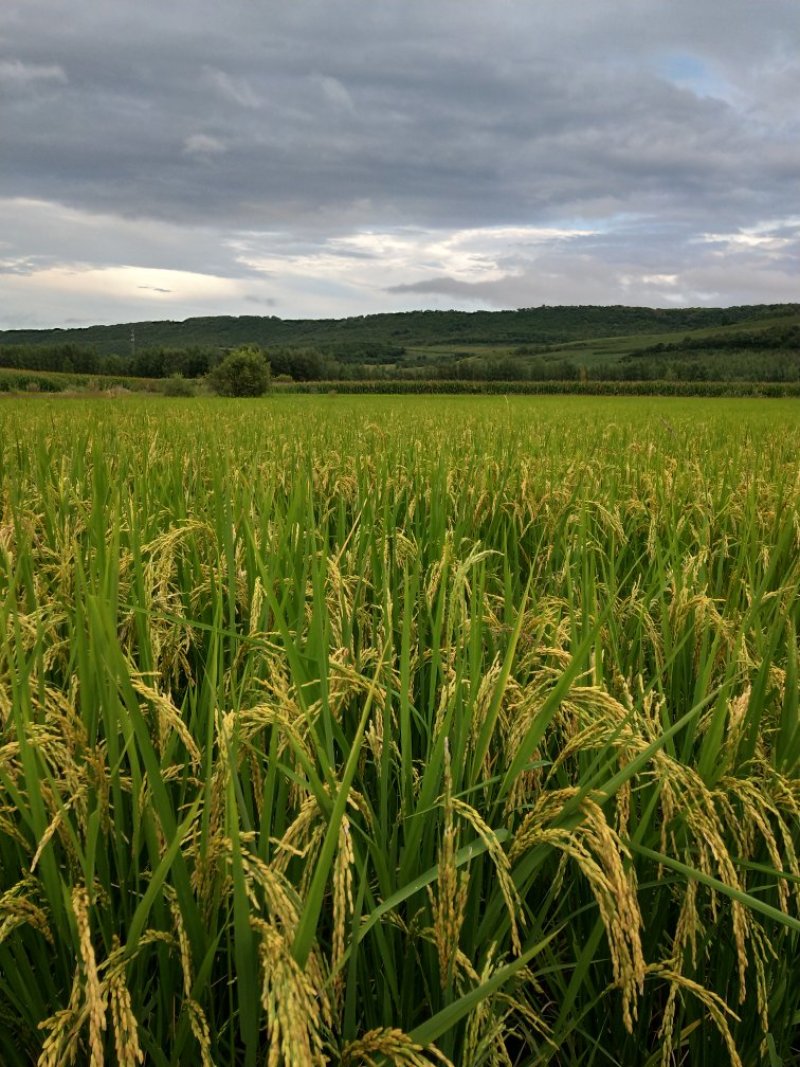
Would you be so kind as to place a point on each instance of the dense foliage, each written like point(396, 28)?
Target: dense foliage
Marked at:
point(525, 326)
point(243, 372)
point(72, 358)
point(485, 349)
point(783, 337)
point(411, 731)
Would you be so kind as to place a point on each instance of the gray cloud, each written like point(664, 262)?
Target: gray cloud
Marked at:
point(212, 139)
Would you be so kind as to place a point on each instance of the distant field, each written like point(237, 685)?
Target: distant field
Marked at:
point(399, 730)
point(602, 349)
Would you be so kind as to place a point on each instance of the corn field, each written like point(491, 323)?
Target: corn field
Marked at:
point(409, 730)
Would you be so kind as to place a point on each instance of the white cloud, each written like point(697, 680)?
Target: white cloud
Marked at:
point(125, 281)
point(85, 295)
point(202, 144)
point(772, 238)
point(660, 279)
point(375, 261)
point(336, 93)
point(57, 261)
point(15, 73)
point(237, 90)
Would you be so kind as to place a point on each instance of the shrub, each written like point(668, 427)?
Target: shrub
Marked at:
point(177, 385)
point(245, 372)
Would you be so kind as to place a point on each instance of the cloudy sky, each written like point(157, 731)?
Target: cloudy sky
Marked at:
point(335, 157)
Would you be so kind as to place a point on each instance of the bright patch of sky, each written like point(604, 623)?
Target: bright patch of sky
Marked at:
point(692, 73)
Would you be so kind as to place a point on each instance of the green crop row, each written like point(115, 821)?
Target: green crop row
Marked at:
point(724, 389)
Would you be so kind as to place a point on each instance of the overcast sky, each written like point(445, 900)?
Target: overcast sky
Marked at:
point(337, 157)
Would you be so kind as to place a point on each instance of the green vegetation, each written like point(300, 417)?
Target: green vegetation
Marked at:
point(574, 387)
point(771, 354)
point(754, 344)
point(399, 730)
point(70, 358)
point(177, 385)
point(14, 381)
point(244, 372)
point(546, 325)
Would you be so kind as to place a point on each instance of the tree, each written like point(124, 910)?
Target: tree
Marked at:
point(244, 372)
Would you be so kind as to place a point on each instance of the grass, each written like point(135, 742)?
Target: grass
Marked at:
point(32, 381)
point(399, 730)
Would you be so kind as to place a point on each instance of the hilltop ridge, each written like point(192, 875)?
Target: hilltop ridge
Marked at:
point(531, 325)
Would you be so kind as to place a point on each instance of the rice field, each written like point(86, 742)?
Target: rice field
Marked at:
point(409, 730)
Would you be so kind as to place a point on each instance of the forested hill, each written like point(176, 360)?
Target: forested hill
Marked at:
point(536, 325)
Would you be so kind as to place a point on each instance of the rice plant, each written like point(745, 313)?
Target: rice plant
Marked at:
point(405, 730)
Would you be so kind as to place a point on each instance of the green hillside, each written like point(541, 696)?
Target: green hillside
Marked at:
point(540, 325)
point(758, 343)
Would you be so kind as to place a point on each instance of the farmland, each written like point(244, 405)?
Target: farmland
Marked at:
point(407, 730)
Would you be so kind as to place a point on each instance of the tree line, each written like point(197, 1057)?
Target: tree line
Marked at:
point(300, 363)
point(698, 361)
